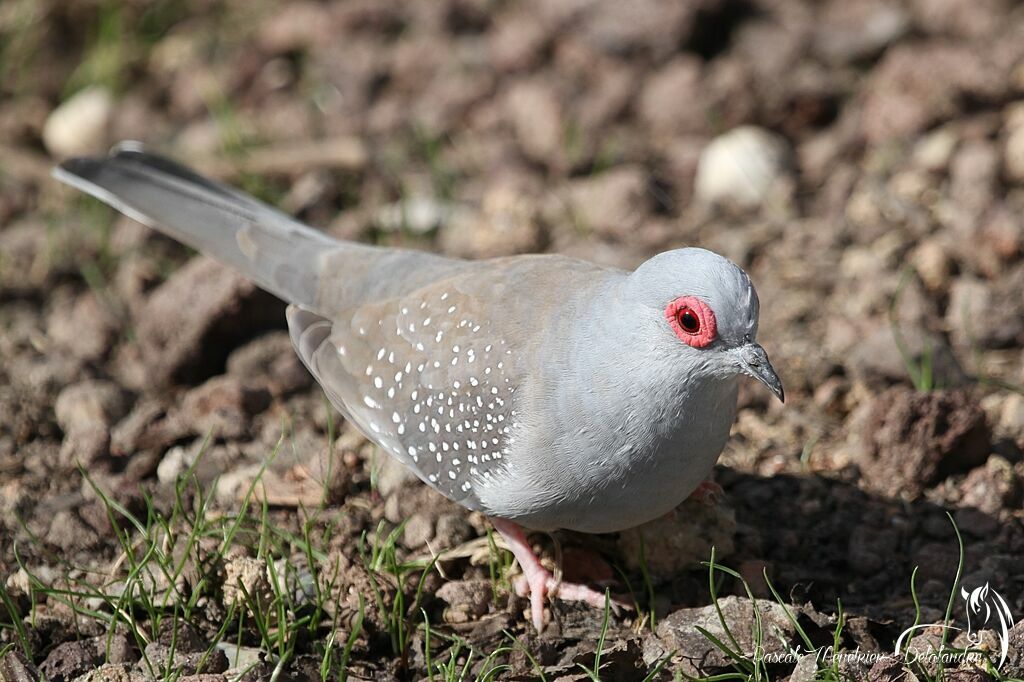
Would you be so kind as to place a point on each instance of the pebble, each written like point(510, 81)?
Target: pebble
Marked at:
point(1011, 417)
point(1013, 145)
point(419, 530)
point(80, 124)
point(934, 151)
point(740, 168)
point(933, 264)
point(418, 215)
point(467, 599)
point(89, 404)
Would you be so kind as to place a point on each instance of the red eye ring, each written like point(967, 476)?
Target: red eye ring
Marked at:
point(692, 321)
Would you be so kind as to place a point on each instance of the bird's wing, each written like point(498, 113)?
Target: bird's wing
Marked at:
point(434, 376)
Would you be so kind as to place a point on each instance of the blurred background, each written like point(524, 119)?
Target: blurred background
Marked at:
point(863, 160)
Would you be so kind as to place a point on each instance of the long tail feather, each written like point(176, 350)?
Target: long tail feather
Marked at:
point(278, 253)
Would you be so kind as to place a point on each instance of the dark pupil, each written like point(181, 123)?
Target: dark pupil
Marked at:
point(689, 321)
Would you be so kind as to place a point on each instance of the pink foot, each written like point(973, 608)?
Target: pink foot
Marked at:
point(537, 581)
point(708, 492)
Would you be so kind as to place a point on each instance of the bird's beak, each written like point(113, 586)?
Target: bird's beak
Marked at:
point(754, 363)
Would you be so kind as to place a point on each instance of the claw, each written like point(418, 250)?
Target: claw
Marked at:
point(537, 582)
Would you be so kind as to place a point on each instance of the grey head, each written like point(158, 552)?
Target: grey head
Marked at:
point(699, 312)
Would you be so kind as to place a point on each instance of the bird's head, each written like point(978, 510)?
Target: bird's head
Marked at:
point(699, 311)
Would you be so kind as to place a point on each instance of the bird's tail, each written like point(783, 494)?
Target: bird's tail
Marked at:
point(278, 253)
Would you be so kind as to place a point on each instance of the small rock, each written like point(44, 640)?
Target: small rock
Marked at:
point(418, 215)
point(935, 150)
point(467, 599)
point(419, 530)
point(222, 407)
point(16, 667)
point(975, 523)
point(848, 31)
point(452, 530)
point(680, 540)
point(114, 672)
point(233, 485)
point(118, 649)
point(536, 117)
point(974, 175)
point(671, 99)
point(961, 18)
point(185, 637)
point(69, 533)
point(987, 315)
point(89, 404)
point(241, 657)
point(1014, 666)
point(270, 361)
point(1002, 234)
point(740, 168)
point(915, 85)
point(805, 670)
point(507, 224)
point(86, 331)
point(200, 303)
point(991, 488)
point(1013, 145)
point(162, 657)
point(80, 125)
point(392, 476)
point(517, 41)
point(890, 669)
point(1010, 422)
point(696, 655)
point(26, 257)
point(248, 573)
point(613, 203)
point(85, 412)
point(68, 660)
point(641, 25)
point(143, 427)
point(912, 440)
point(933, 264)
point(878, 360)
point(84, 447)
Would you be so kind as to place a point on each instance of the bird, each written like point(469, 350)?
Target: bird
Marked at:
point(543, 391)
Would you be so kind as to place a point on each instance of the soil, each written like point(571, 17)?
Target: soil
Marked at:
point(883, 229)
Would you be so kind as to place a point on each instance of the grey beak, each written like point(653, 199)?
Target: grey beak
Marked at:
point(754, 362)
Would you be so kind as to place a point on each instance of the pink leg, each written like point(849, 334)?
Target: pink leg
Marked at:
point(708, 492)
point(537, 581)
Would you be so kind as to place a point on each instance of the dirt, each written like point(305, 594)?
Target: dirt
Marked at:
point(884, 233)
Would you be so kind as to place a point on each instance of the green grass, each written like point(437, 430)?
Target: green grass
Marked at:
point(169, 565)
point(499, 565)
point(748, 668)
point(921, 371)
point(169, 570)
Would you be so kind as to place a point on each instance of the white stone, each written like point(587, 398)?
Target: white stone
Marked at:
point(80, 124)
point(1013, 153)
point(739, 168)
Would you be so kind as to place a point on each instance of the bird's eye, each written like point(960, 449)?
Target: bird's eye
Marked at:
point(692, 321)
point(688, 320)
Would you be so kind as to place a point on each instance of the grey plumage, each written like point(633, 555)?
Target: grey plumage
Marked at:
point(538, 389)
